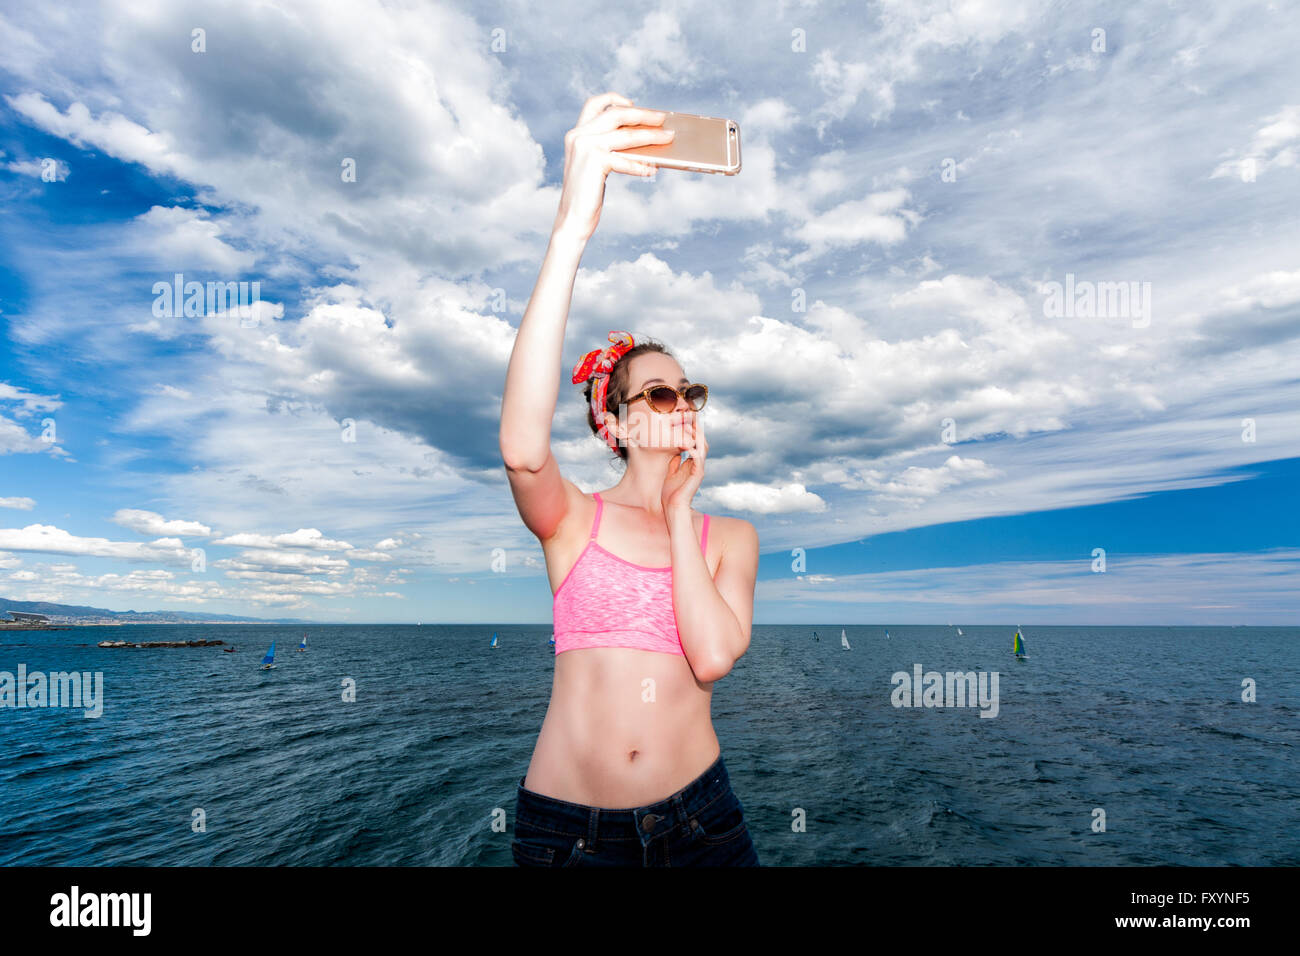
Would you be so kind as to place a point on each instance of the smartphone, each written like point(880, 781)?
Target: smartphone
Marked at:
point(703, 144)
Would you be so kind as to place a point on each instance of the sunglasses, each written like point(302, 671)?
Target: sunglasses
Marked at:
point(663, 398)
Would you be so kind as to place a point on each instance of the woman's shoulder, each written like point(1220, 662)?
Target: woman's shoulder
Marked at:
point(731, 530)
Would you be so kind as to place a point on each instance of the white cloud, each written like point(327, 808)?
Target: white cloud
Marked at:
point(302, 538)
point(254, 559)
point(30, 403)
point(751, 498)
point(38, 169)
point(767, 116)
point(150, 522)
point(112, 132)
point(1270, 290)
point(186, 239)
point(916, 483)
point(655, 53)
point(53, 540)
point(880, 217)
point(1275, 145)
point(14, 439)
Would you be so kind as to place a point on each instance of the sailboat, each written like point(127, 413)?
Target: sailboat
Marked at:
point(844, 640)
point(815, 637)
point(303, 645)
point(551, 642)
point(959, 632)
point(1018, 646)
point(269, 660)
point(886, 633)
point(494, 639)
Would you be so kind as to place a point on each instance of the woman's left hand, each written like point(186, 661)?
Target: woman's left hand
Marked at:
point(683, 481)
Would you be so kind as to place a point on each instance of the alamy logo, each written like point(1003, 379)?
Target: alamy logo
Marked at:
point(57, 689)
point(1098, 300)
point(102, 909)
point(178, 297)
point(953, 689)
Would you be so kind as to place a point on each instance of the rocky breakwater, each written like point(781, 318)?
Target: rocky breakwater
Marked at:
point(160, 643)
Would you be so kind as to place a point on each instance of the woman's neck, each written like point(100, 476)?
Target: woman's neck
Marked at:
point(642, 484)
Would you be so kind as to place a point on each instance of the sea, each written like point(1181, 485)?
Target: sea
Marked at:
point(403, 745)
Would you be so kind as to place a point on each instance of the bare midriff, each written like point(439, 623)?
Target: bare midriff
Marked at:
point(625, 728)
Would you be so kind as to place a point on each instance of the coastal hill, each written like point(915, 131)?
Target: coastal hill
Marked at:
point(78, 614)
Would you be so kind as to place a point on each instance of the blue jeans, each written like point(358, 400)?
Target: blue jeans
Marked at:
point(702, 824)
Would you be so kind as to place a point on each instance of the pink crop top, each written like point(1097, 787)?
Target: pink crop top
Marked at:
point(605, 601)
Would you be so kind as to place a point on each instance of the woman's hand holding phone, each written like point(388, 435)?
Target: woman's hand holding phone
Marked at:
point(590, 153)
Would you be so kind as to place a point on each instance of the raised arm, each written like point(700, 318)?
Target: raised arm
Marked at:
point(533, 375)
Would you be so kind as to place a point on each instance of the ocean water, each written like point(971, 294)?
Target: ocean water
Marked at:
point(1146, 725)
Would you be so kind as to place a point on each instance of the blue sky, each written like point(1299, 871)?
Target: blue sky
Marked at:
point(891, 390)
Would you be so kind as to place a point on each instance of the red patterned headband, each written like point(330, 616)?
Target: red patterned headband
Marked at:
point(599, 363)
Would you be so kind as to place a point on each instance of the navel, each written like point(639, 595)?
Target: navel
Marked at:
point(632, 755)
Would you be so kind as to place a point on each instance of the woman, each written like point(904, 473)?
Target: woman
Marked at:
point(650, 608)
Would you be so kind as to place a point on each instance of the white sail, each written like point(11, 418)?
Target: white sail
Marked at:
point(844, 640)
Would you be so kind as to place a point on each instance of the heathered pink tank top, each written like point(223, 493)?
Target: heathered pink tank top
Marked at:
point(605, 601)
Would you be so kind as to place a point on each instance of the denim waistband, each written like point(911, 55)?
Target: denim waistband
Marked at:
point(632, 823)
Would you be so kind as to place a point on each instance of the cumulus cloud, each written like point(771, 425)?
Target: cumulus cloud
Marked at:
point(150, 522)
point(880, 217)
point(302, 538)
point(53, 540)
point(753, 498)
point(187, 239)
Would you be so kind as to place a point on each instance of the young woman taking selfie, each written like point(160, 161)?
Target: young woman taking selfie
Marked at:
point(653, 601)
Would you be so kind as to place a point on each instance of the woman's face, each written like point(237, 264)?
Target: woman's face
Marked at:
point(645, 427)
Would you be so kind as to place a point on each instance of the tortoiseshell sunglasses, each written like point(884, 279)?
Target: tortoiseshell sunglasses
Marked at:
point(663, 398)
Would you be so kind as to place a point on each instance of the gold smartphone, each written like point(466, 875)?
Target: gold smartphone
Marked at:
point(703, 144)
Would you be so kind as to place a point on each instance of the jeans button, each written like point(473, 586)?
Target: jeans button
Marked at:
point(581, 842)
point(648, 822)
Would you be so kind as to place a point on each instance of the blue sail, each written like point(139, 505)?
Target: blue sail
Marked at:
point(303, 645)
point(494, 639)
point(270, 655)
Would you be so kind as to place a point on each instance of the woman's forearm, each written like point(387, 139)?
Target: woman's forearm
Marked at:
point(710, 634)
point(533, 375)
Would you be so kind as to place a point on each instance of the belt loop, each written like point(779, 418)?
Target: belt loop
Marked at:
point(682, 816)
point(591, 826)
